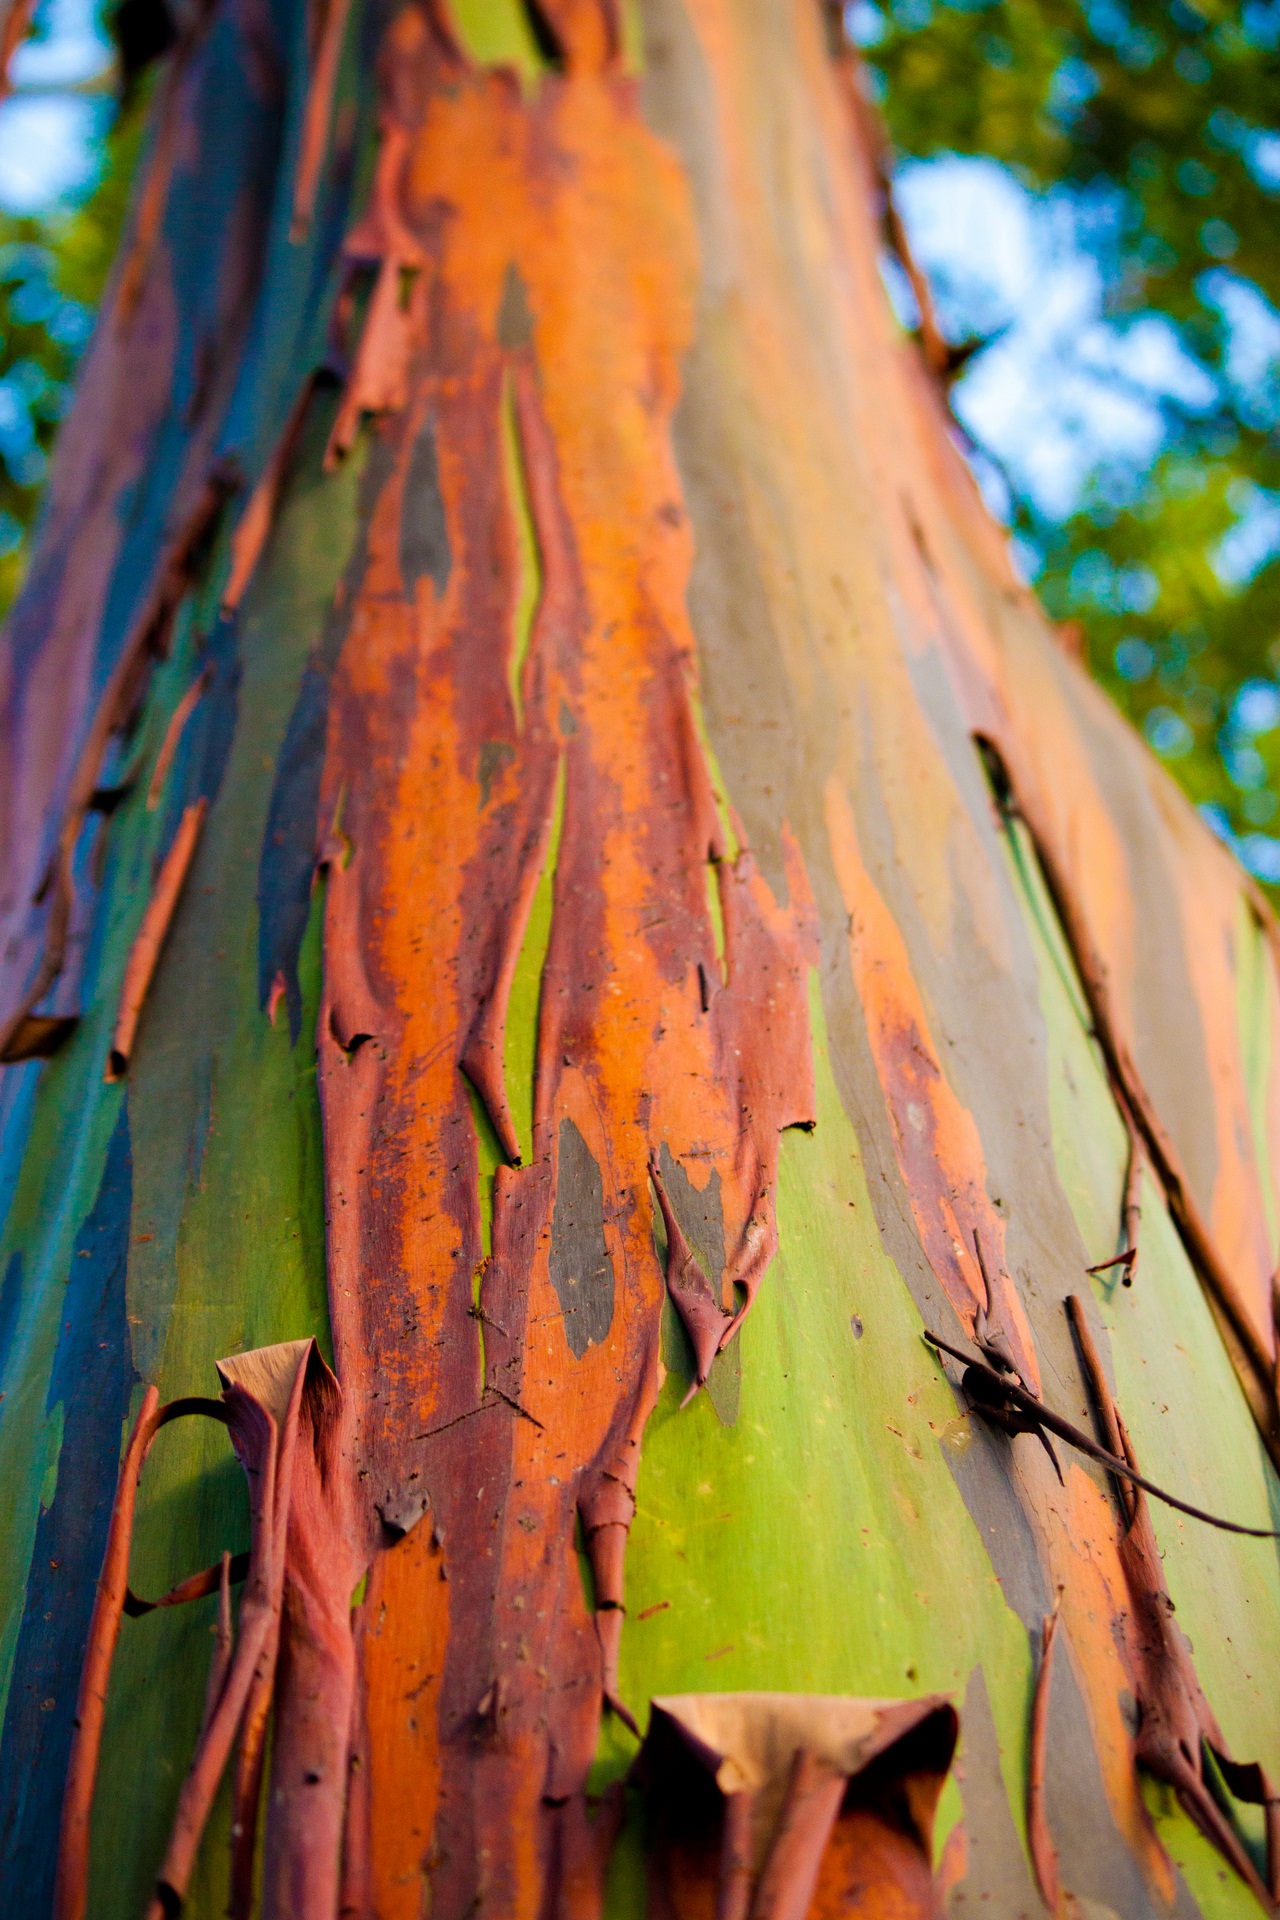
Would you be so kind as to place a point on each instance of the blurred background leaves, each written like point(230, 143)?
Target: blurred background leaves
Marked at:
point(1094, 190)
point(1093, 187)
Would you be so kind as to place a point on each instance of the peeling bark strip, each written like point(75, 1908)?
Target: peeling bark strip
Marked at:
point(516, 1390)
point(1176, 1724)
point(770, 1806)
point(172, 735)
point(26, 1032)
point(1254, 1362)
point(145, 952)
point(283, 1410)
point(1044, 1855)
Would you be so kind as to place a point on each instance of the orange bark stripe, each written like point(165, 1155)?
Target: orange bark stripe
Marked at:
point(551, 246)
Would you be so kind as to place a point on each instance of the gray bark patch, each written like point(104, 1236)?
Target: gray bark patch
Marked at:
point(424, 535)
point(581, 1270)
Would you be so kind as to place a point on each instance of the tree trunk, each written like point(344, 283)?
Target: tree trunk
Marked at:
point(563, 907)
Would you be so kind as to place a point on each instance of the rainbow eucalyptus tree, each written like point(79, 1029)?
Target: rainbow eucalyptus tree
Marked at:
point(639, 1138)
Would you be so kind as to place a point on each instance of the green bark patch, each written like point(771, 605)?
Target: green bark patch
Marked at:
point(819, 1544)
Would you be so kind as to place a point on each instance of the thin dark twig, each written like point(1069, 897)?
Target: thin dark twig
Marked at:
point(1083, 1444)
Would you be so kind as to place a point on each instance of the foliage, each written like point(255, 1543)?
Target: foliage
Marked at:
point(1157, 119)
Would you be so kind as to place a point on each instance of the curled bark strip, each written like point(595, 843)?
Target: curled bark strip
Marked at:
point(38, 1036)
point(747, 1794)
point(145, 951)
point(1044, 1854)
point(263, 1433)
point(737, 1859)
point(282, 1408)
point(115, 708)
point(1130, 1206)
point(396, 317)
point(606, 1508)
point(692, 1293)
point(1254, 1362)
point(155, 191)
point(172, 735)
point(790, 1874)
point(71, 1883)
point(223, 1640)
point(232, 1568)
point(317, 113)
point(1176, 1725)
point(254, 526)
point(994, 1392)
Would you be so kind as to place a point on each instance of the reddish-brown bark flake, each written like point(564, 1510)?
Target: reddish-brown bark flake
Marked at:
point(1176, 1725)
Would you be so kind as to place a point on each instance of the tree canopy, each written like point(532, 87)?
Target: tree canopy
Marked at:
point(1157, 122)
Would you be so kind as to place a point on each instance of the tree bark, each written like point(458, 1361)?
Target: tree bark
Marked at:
point(563, 906)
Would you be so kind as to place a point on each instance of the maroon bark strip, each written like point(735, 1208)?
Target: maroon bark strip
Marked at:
point(1044, 1854)
point(1258, 1367)
point(144, 955)
point(1176, 1723)
point(995, 1394)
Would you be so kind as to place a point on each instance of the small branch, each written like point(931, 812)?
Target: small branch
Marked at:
point(998, 1387)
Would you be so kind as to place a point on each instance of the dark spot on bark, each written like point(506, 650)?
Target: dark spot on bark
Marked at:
point(424, 533)
point(515, 318)
point(494, 756)
point(581, 1270)
point(400, 1510)
point(92, 1377)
